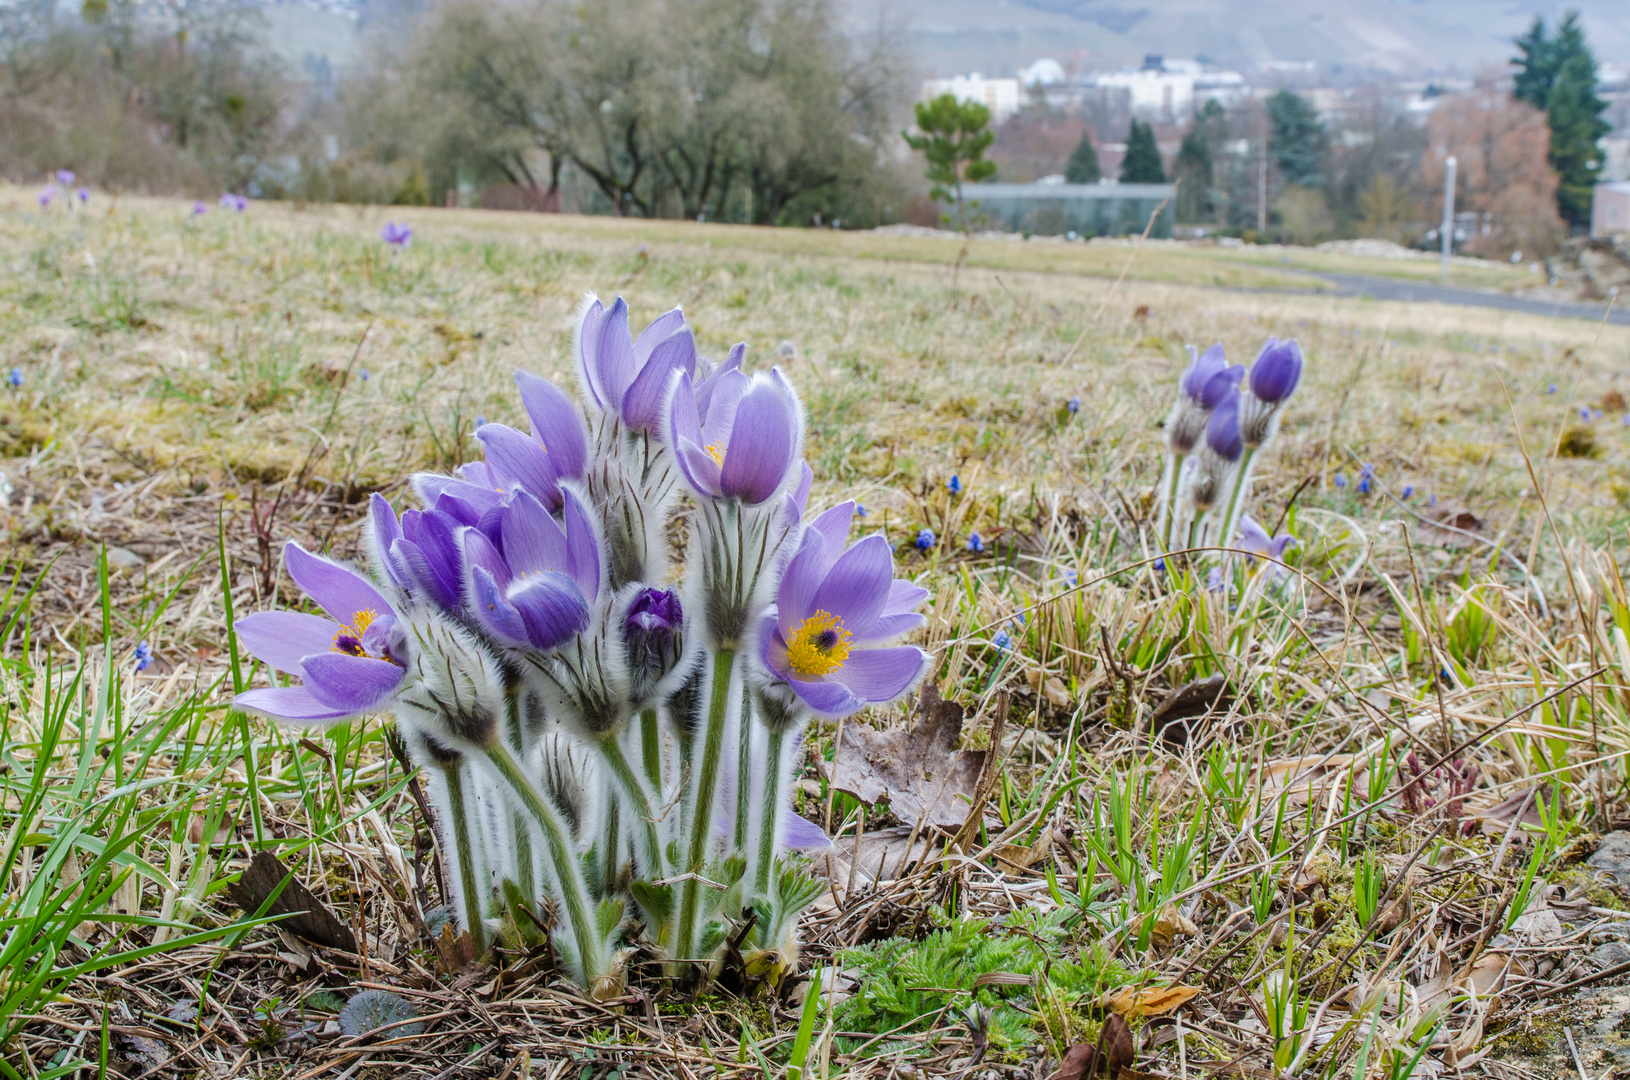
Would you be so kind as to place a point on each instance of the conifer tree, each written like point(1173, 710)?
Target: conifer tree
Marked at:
point(1083, 167)
point(1142, 162)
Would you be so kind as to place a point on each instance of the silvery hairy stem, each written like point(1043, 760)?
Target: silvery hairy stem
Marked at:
point(632, 478)
point(449, 789)
point(700, 835)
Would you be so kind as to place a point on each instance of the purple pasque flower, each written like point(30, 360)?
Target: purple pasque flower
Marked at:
point(556, 451)
point(653, 633)
point(234, 202)
point(798, 497)
point(1273, 379)
point(421, 554)
point(198, 208)
point(1255, 539)
point(66, 177)
point(836, 613)
point(1223, 436)
point(631, 377)
point(46, 196)
point(532, 589)
point(349, 660)
point(84, 195)
point(1206, 383)
point(398, 234)
point(740, 438)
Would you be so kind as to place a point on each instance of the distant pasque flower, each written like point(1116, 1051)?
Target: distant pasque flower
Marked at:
point(629, 377)
point(397, 234)
point(836, 614)
point(1255, 539)
point(46, 196)
point(66, 177)
point(350, 661)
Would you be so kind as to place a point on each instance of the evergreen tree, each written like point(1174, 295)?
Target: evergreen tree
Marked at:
point(1083, 166)
point(1196, 198)
point(1557, 72)
point(954, 137)
point(1298, 141)
point(1142, 162)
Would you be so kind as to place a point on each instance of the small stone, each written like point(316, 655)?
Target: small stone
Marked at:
point(1612, 856)
point(1610, 954)
point(125, 559)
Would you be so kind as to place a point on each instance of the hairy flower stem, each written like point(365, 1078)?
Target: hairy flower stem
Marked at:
point(1242, 479)
point(1168, 512)
point(459, 826)
point(701, 824)
point(651, 748)
point(525, 878)
point(744, 771)
point(611, 844)
point(568, 873)
point(769, 821)
point(645, 827)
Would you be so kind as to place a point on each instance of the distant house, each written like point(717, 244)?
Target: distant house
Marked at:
point(1050, 208)
point(1610, 209)
point(1000, 96)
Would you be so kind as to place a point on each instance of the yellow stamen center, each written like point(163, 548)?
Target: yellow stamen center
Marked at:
point(348, 639)
point(716, 452)
point(819, 646)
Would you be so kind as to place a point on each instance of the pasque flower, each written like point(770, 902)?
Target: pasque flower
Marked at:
point(1206, 383)
point(350, 661)
point(397, 234)
point(1273, 379)
point(631, 377)
point(736, 438)
point(837, 614)
point(534, 591)
point(1255, 539)
point(556, 451)
point(653, 635)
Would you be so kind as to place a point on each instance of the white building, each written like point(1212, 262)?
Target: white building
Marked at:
point(1169, 90)
point(1610, 209)
point(1043, 72)
point(1001, 96)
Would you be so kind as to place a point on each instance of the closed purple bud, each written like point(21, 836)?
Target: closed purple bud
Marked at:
point(653, 633)
point(1277, 371)
point(1222, 431)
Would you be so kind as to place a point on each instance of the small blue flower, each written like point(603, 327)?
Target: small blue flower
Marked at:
point(1022, 618)
point(1367, 472)
point(1363, 485)
point(1625, 420)
point(1160, 566)
point(1584, 412)
point(1214, 580)
point(1595, 414)
point(480, 421)
point(84, 195)
point(14, 378)
point(860, 509)
point(1341, 480)
point(955, 486)
point(1409, 491)
point(366, 374)
point(1074, 405)
point(144, 657)
point(1072, 578)
point(1003, 640)
point(925, 539)
point(976, 542)
point(1433, 501)
point(1550, 388)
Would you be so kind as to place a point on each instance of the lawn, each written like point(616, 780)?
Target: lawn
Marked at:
point(192, 390)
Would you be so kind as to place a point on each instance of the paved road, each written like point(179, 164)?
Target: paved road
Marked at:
point(1393, 289)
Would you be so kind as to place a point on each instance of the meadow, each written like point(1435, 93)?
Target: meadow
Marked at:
point(1328, 822)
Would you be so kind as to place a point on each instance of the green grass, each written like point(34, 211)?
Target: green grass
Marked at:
point(197, 391)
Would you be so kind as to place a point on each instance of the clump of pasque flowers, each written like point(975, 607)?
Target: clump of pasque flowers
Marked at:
point(1214, 434)
point(610, 739)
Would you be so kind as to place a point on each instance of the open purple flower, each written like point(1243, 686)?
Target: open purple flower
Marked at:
point(532, 590)
point(421, 554)
point(398, 234)
point(1255, 539)
point(65, 177)
point(631, 377)
point(347, 660)
point(836, 613)
point(46, 196)
point(557, 450)
point(743, 442)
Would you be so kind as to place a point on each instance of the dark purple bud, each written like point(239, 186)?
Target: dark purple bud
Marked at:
point(653, 633)
point(1277, 371)
point(1215, 390)
point(1202, 368)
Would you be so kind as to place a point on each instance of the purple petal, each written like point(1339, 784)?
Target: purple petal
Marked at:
point(698, 467)
point(719, 415)
point(763, 444)
point(857, 586)
point(732, 364)
point(281, 639)
point(582, 548)
point(891, 626)
point(588, 350)
point(383, 532)
point(557, 423)
point(904, 596)
point(339, 591)
point(1201, 368)
point(642, 405)
point(798, 497)
point(516, 460)
point(479, 551)
point(834, 526)
point(879, 675)
point(433, 487)
point(357, 684)
point(795, 599)
point(614, 355)
point(533, 541)
point(683, 420)
point(293, 704)
point(551, 606)
point(828, 699)
point(801, 834)
point(493, 612)
point(662, 328)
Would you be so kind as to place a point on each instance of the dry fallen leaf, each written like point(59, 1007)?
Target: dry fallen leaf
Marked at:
point(1050, 686)
point(1020, 857)
point(1151, 1002)
point(1113, 1051)
point(920, 772)
point(1171, 924)
point(1179, 713)
point(1119, 1049)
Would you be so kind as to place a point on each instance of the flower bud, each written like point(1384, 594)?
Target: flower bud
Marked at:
point(653, 634)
